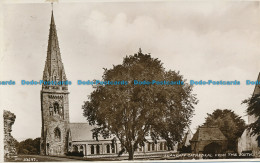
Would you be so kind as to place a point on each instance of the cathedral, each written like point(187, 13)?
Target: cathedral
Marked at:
point(58, 135)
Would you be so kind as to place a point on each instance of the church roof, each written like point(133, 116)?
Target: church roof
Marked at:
point(81, 131)
point(208, 133)
point(257, 87)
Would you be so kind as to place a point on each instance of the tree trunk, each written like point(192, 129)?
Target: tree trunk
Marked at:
point(131, 155)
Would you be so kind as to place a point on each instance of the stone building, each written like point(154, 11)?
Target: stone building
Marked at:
point(83, 140)
point(248, 142)
point(208, 140)
point(9, 141)
point(58, 135)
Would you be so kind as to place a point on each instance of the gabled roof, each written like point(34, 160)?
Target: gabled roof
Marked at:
point(208, 133)
point(81, 131)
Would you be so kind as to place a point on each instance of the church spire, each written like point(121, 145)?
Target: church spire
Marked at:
point(54, 70)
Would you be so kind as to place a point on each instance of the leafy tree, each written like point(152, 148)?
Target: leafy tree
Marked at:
point(29, 146)
point(253, 109)
point(231, 125)
point(132, 112)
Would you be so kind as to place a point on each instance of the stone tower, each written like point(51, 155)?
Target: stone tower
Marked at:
point(54, 101)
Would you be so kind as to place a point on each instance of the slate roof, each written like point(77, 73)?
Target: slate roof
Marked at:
point(208, 133)
point(81, 131)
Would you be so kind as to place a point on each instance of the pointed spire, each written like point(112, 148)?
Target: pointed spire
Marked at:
point(54, 70)
point(52, 18)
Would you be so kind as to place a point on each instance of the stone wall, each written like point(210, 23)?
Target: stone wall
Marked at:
point(55, 122)
point(9, 141)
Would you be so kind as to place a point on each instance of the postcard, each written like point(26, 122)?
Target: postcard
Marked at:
point(110, 80)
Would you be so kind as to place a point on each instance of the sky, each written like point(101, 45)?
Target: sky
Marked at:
point(204, 40)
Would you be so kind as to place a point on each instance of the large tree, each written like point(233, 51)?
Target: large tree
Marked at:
point(253, 109)
point(231, 125)
point(132, 112)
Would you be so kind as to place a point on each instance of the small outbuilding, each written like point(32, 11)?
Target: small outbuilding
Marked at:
point(208, 140)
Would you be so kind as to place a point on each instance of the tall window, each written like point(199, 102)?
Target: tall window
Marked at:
point(92, 149)
point(98, 149)
point(57, 134)
point(56, 108)
point(108, 148)
point(48, 149)
point(152, 146)
point(161, 146)
point(149, 146)
point(113, 149)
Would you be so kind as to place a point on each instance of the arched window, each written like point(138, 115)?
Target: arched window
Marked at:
point(56, 108)
point(108, 148)
point(92, 149)
point(98, 149)
point(152, 146)
point(75, 149)
point(57, 134)
point(258, 140)
point(51, 109)
point(81, 148)
point(165, 146)
point(113, 149)
point(48, 149)
point(149, 146)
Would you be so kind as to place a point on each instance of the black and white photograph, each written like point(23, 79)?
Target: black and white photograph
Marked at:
point(133, 80)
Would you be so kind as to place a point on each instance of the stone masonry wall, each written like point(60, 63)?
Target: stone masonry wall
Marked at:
point(9, 141)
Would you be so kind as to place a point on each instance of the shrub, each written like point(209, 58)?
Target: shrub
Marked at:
point(75, 153)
